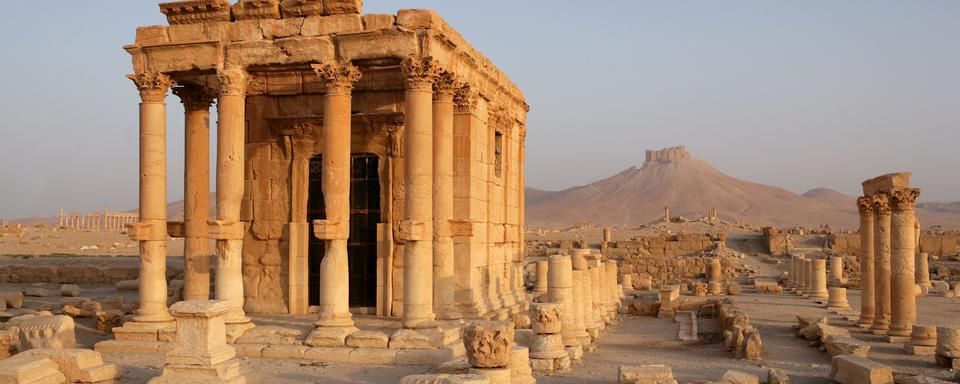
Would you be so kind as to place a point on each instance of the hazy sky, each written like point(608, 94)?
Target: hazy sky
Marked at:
point(798, 94)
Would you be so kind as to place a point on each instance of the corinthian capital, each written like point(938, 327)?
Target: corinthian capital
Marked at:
point(865, 205)
point(339, 78)
point(153, 87)
point(233, 81)
point(446, 86)
point(195, 97)
point(881, 203)
point(465, 100)
point(904, 200)
point(421, 73)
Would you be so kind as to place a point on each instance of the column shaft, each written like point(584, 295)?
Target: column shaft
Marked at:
point(881, 243)
point(417, 228)
point(196, 192)
point(867, 263)
point(903, 299)
point(443, 253)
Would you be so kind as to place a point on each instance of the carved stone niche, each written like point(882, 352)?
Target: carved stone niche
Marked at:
point(196, 11)
point(256, 9)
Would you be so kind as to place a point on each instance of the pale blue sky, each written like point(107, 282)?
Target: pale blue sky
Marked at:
point(799, 94)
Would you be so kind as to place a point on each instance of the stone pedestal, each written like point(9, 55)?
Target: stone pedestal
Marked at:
point(541, 271)
point(881, 244)
point(948, 347)
point(715, 277)
point(923, 341)
point(520, 371)
point(546, 348)
point(201, 354)
point(867, 273)
point(838, 298)
point(903, 291)
point(836, 271)
point(818, 289)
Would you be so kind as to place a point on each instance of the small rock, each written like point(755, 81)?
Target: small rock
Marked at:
point(70, 290)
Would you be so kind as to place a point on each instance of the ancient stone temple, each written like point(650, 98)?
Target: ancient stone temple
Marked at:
point(365, 164)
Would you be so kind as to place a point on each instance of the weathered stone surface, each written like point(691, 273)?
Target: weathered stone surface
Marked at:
point(108, 320)
point(948, 342)
point(849, 369)
point(70, 290)
point(329, 25)
point(737, 377)
point(9, 341)
point(24, 368)
point(37, 292)
point(329, 336)
point(368, 339)
point(846, 345)
point(378, 21)
point(128, 285)
point(12, 299)
point(645, 374)
point(734, 289)
point(520, 366)
point(445, 379)
point(546, 318)
point(777, 376)
point(47, 332)
point(79, 365)
point(425, 338)
point(488, 343)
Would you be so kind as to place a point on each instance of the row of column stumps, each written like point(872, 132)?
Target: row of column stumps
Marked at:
point(107, 221)
point(888, 239)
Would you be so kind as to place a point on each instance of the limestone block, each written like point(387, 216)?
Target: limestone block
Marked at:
point(13, 299)
point(70, 290)
point(752, 348)
point(645, 374)
point(368, 339)
point(377, 356)
point(846, 345)
point(79, 365)
point(280, 28)
point(546, 318)
point(47, 332)
point(128, 285)
point(948, 342)
point(920, 380)
point(37, 292)
point(488, 343)
point(849, 369)
point(281, 51)
point(300, 8)
point(378, 44)
point(378, 21)
point(329, 336)
point(445, 379)
point(454, 367)
point(71, 311)
point(339, 7)
point(737, 377)
point(9, 343)
point(426, 338)
point(495, 375)
point(284, 351)
point(330, 25)
point(520, 366)
point(547, 346)
point(418, 18)
point(733, 289)
point(29, 369)
point(777, 376)
point(108, 320)
point(328, 354)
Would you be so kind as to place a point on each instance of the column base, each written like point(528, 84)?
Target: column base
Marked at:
point(144, 331)
point(896, 339)
point(335, 321)
point(878, 331)
point(919, 350)
point(225, 373)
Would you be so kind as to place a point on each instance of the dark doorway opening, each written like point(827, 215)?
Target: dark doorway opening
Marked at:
point(364, 217)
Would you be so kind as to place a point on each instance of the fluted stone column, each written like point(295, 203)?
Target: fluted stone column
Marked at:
point(416, 230)
point(903, 293)
point(881, 244)
point(579, 307)
point(560, 281)
point(923, 270)
point(541, 284)
point(443, 255)
point(196, 191)
point(151, 231)
point(227, 228)
point(836, 270)
point(596, 266)
point(867, 263)
point(335, 228)
point(819, 279)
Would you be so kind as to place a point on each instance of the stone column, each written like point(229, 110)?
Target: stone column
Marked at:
point(612, 291)
point(443, 255)
point(715, 277)
point(819, 279)
point(196, 191)
point(903, 299)
point(227, 228)
point(151, 232)
point(416, 230)
point(836, 271)
point(579, 307)
point(807, 276)
point(560, 281)
point(838, 298)
point(923, 270)
point(867, 263)
point(881, 248)
point(596, 266)
point(541, 285)
point(335, 229)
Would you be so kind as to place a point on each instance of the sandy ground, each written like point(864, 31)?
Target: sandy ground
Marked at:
point(51, 240)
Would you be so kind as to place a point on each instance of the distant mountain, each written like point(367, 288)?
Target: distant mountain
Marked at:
point(673, 178)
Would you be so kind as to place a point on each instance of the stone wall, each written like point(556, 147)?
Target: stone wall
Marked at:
point(73, 274)
point(669, 245)
point(667, 259)
point(936, 244)
point(776, 242)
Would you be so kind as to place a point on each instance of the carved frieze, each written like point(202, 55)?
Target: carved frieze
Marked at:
point(196, 11)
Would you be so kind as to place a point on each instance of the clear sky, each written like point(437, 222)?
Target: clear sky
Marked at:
point(799, 94)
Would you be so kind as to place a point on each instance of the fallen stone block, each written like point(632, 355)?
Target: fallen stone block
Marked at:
point(488, 343)
point(47, 332)
point(777, 376)
point(734, 289)
point(13, 299)
point(806, 321)
point(846, 345)
point(646, 374)
point(78, 365)
point(919, 380)
point(28, 369)
point(16, 321)
point(108, 320)
point(737, 377)
point(70, 290)
point(37, 292)
point(9, 343)
point(849, 369)
point(128, 285)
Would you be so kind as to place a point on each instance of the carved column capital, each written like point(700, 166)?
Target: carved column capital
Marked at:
point(421, 73)
point(465, 100)
point(881, 203)
point(446, 86)
point(865, 205)
point(195, 97)
point(904, 200)
point(339, 78)
point(233, 81)
point(153, 87)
